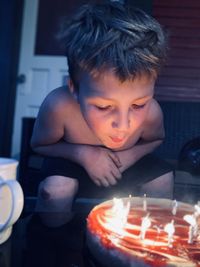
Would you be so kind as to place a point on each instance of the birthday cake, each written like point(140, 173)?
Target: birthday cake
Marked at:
point(144, 232)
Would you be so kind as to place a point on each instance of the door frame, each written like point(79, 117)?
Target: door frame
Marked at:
point(11, 14)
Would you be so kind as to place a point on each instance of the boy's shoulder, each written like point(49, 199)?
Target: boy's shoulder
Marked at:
point(155, 112)
point(59, 99)
point(59, 95)
point(61, 110)
point(153, 125)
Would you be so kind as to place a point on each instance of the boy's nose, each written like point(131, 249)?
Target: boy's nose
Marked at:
point(122, 122)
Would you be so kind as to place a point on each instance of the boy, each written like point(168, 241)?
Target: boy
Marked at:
point(98, 130)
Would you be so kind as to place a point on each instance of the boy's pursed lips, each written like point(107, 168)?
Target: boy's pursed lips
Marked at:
point(117, 139)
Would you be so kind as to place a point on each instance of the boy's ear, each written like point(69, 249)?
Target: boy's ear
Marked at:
point(70, 85)
point(72, 89)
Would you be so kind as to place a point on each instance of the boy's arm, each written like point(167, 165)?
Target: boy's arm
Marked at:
point(48, 132)
point(152, 137)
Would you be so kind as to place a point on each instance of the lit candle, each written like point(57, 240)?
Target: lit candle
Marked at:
point(197, 210)
point(193, 227)
point(145, 202)
point(118, 216)
point(174, 207)
point(126, 211)
point(129, 199)
point(118, 205)
point(146, 223)
point(170, 229)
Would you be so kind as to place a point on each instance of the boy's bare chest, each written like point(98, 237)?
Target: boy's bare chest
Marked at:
point(77, 129)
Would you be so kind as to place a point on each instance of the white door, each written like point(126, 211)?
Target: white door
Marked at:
point(42, 74)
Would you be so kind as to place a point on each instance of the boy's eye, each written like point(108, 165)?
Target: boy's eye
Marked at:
point(103, 107)
point(134, 106)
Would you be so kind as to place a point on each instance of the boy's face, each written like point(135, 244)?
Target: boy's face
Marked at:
point(114, 110)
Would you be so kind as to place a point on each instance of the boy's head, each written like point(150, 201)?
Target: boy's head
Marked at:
point(114, 37)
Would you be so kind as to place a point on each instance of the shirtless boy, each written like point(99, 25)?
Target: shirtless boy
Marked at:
point(106, 119)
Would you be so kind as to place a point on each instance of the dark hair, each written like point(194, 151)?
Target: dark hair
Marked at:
point(113, 36)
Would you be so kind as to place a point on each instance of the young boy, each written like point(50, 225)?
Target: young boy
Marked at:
point(97, 130)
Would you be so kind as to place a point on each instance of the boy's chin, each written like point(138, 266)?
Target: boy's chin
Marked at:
point(115, 147)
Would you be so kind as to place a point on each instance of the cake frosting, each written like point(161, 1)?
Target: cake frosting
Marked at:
point(144, 232)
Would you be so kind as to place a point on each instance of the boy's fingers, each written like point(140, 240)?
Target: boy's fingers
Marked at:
point(117, 174)
point(97, 182)
point(116, 159)
point(111, 179)
point(104, 182)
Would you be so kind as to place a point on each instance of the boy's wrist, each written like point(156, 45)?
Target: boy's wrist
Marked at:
point(127, 158)
point(81, 154)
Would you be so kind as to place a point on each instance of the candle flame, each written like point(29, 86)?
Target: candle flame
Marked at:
point(174, 207)
point(190, 219)
point(169, 228)
point(146, 223)
point(193, 229)
point(118, 216)
point(118, 205)
point(197, 210)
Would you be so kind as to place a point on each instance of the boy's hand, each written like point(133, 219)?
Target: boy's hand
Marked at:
point(102, 165)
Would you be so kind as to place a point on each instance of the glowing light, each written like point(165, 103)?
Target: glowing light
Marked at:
point(197, 210)
point(193, 229)
point(174, 207)
point(170, 229)
point(118, 205)
point(145, 202)
point(117, 219)
point(146, 223)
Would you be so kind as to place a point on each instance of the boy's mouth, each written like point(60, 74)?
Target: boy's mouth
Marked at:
point(117, 139)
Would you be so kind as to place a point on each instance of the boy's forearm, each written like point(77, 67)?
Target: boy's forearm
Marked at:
point(130, 156)
point(62, 149)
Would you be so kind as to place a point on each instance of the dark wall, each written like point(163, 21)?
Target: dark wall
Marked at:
point(146, 5)
point(10, 28)
point(180, 79)
point(50, 18)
